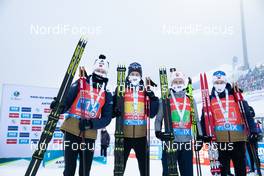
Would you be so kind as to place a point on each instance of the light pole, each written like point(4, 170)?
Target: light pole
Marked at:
point(244, 38)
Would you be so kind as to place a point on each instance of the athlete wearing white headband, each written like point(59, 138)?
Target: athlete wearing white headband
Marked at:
point(177, 81)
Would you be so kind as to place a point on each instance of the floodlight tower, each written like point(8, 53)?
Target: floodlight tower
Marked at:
point(244, 37)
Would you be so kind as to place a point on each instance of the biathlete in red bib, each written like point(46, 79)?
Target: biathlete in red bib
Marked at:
point(89, 107)
point(229, 125)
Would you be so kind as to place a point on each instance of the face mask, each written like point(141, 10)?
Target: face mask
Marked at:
point(100, 74)
point(177, 87)
point(134, 80)
point(220, 87)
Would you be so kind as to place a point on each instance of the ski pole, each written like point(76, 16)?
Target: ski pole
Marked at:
point(239, 99)
point(147, 113)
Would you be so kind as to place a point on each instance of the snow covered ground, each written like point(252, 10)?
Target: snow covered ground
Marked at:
point(18, 168)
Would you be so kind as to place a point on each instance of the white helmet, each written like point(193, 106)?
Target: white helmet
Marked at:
point(101, 66)
point(177, 76)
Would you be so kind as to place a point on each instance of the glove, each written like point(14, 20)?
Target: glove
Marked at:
point(85, 124)
point(253, 137)
point(117, 112)
point(260, 137)
point(163, 136)
point(150, 94)
point(54, 103)
point(207, 138)
point(149, 82)
point(158, 134)
point(251, 112)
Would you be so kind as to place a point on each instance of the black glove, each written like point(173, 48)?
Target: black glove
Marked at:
point(251, 111)
point(117, 112)
point(158, 134)
point(54, 103)
point(150, 94)
point(85, 124)
point(253, 137)
point(260, 137)
point(163, 136)
point(207, 138)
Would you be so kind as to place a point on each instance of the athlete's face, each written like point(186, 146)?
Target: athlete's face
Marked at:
point(100, 72)
point(219, 82)
point(134, 77)
point(178, 85)
point(134, 73)
point(220, 85)
point(178, 81)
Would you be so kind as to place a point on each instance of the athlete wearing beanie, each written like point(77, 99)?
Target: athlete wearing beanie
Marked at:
point(135, 117)
point(80, 129)
point(134, 74)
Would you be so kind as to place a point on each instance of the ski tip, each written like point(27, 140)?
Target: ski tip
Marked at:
point(160, 70)
point(121, 67)
point(205, 76)
point(84, 38)
point(189, 80)
point(164, 68)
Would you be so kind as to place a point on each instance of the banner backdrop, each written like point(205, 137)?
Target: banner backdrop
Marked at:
point(261, 154)
point(24, 113)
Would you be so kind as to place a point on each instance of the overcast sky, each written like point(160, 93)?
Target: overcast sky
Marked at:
point(191, 35)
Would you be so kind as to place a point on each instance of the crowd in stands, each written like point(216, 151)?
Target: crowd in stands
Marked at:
point(252, 80)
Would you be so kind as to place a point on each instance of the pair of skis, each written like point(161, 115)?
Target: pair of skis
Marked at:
point(82, 87)
point(207, 110)
point(169, 149)
point(194, 127)
point(53, 117)
point(239, 99)
point(147, 115)
point(119, 133)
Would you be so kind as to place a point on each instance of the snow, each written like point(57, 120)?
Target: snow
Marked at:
point(18, 168)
